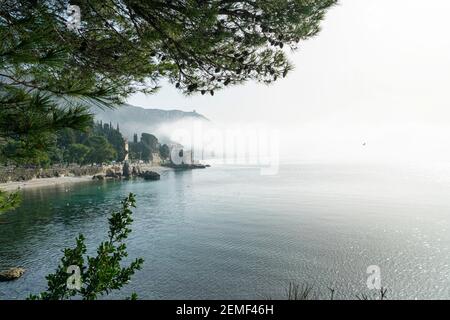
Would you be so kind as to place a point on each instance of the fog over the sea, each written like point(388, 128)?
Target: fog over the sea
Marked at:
point(378, 74)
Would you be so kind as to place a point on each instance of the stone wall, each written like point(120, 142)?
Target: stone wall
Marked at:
point(11, 173)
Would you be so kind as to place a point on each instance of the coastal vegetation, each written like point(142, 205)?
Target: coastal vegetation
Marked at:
point(98, 143)
point(146, 147)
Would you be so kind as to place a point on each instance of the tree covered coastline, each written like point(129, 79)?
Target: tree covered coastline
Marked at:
point(99, 143)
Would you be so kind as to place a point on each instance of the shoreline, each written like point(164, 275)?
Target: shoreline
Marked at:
point(54, 181)
point(42, 182)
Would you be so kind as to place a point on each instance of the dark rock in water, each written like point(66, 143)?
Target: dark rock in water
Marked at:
point(150, 175)
point(98, 177)
point(113, 174)
point(11, 274)
point(187, 166)
point(110, 173)
point(136, 171)
point(126, 170)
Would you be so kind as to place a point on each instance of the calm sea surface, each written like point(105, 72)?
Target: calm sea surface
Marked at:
point(230, 233)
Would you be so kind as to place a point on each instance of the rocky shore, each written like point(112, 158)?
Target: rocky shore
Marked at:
point(130, 171)
point(11, 274)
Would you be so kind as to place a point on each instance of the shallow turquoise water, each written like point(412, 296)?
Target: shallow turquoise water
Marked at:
point(228, 232)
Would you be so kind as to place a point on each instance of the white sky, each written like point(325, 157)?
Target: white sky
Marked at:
point(378, 72)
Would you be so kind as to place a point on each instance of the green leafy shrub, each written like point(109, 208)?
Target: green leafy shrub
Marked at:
point(99, 275)
point(9, 201)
